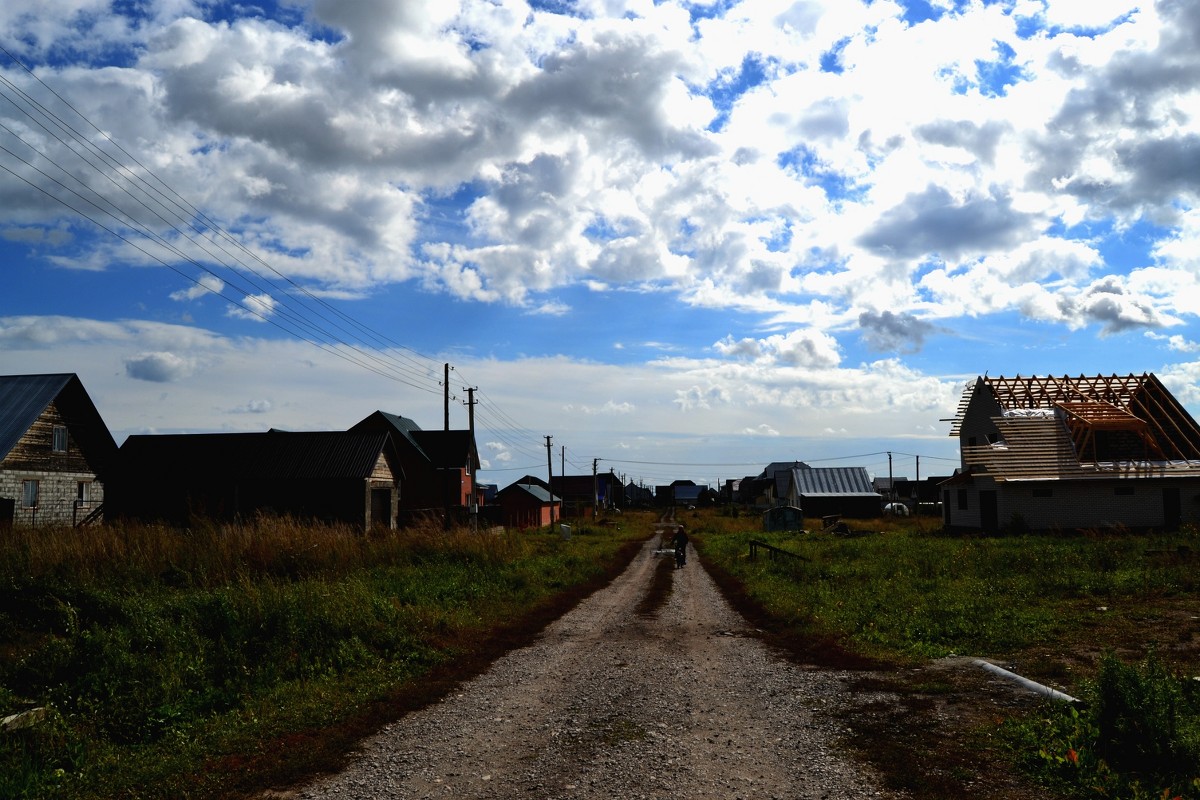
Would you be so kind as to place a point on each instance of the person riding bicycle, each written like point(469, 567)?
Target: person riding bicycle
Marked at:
point(680, 541)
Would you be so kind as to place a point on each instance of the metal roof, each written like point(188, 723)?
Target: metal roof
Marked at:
point(538, 492)
point(23, 398)
point(832, 481)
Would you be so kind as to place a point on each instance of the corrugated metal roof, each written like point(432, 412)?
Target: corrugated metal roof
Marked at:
point(832, 481)
point(401, 427)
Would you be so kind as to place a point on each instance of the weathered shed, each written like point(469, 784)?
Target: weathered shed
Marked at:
point(327, 476)
point(56, 453)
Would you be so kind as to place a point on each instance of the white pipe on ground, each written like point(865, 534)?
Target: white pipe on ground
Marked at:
point(1053, 694)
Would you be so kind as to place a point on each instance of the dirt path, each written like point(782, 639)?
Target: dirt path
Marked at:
point(640, 692)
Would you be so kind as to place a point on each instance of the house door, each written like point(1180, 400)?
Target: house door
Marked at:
point(989, 515)
point(1172, 515)
point(946, 506)
point(381, 507)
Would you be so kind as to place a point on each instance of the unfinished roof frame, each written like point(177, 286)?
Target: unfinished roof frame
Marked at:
point(1092, 409)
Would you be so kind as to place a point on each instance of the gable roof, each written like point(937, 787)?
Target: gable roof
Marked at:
point(1075, 427)
point(401, 427)
point(274, 455)
point(534, 490)
point(23, 398)
point(830, 481)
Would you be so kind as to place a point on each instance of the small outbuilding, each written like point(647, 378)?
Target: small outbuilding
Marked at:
point(783, 518)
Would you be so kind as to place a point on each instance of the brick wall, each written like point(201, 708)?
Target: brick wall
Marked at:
point(57, 495)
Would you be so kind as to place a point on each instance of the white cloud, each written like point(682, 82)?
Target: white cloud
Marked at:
point(255, 307)
point(206, 285)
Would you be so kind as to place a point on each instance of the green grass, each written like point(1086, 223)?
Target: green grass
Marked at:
point(1073, 610)
point(207, 663)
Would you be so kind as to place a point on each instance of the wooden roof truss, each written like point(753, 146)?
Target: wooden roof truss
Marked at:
point(1103, 415)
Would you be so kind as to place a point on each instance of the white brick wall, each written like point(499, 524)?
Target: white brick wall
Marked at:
point(57, 492)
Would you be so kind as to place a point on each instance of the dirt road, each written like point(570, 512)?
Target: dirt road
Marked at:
point(648, 689)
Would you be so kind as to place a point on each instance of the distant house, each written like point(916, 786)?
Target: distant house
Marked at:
point(582, 494)
point(1073, 453)
point(637, 496)
point(56, 453)
point(327, 476)
point(527, 505)
point(825, 491)
point(438, 466)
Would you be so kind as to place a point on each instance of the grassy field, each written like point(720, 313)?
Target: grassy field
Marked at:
point(1112, 618)
point(147, 662)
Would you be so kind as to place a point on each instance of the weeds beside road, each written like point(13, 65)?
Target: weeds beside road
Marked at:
point(218, 662)
point(1111, 618)
point(215, 662)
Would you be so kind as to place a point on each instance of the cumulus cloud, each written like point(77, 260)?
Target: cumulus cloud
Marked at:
point(158, 367)
point(886, 331)
point(799, 348)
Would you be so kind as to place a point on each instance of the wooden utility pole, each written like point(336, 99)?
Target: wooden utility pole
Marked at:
point(550, 476)
point(446, 395)
point(473, 502)
point(595, 490)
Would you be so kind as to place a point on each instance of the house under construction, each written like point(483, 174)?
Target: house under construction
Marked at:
point(1047, 453)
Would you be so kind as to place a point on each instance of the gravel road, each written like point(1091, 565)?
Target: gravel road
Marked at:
point(624, 698)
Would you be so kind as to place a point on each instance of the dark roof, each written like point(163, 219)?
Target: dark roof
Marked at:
point(533, 489)
point(448, 449)
point(774, 467)
point(272, 455)
point(402, 427)
point(23, 398)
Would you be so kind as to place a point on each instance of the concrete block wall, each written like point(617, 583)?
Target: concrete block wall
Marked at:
point(57, 493)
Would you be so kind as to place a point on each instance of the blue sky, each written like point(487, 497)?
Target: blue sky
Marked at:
point(686, 239)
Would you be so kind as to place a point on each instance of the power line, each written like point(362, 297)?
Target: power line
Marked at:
point(387, 357)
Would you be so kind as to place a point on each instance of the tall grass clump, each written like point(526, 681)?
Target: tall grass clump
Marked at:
point(1137, 736)
point(132, 656)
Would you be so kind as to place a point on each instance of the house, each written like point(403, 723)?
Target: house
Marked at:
point(581, 495)
point(327, 476)
point(1046, 453)
point(439, 468)
point(56, 453)
point(826, 491)
point(638, 496)
point(527, 505)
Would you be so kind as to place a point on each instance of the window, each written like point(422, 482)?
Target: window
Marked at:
point(1123, 490)
point(1043, 491)
point(962, 499)
point(83, 492)
point(29, 494)
point(60, 439)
